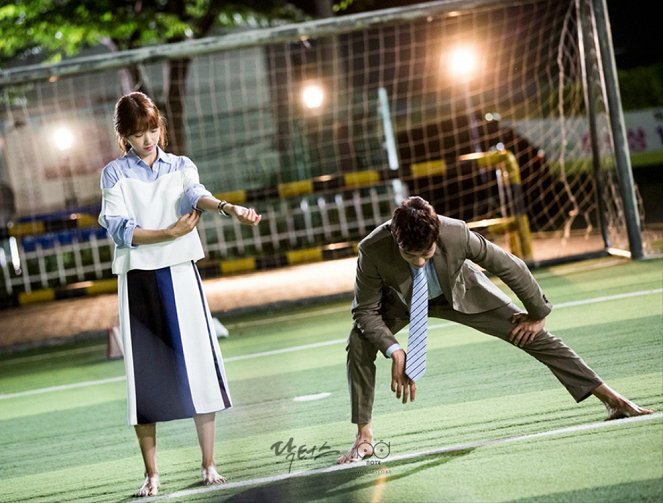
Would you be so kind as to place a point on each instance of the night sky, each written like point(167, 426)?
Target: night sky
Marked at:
point(635, 28)
point(635, 33)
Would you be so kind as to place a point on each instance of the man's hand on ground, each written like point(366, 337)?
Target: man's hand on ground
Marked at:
point(401, 384)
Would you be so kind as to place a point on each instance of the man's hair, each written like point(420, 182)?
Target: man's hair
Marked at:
point(415, 225)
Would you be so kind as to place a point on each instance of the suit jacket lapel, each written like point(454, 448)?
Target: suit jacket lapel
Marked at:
point(442, 270)
point(402, 275)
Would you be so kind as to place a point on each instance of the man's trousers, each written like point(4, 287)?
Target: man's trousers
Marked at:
point(563, 362)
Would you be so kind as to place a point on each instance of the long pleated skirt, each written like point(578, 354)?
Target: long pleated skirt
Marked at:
point(171, 354)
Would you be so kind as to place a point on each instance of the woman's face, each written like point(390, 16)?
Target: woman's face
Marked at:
point(145, 142)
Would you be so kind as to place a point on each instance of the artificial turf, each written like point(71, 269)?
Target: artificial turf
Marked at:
point(73, 444)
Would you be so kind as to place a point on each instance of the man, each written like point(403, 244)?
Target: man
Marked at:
point(438, 254)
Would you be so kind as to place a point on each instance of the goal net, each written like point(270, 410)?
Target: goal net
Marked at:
point(324, 126)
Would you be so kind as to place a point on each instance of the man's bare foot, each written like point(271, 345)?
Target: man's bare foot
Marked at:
point(626, 409)
point(211, 476)
point(618, 407)
point(362, 447)
point(150, 487)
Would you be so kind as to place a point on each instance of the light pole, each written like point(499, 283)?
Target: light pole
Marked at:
point(64, 141)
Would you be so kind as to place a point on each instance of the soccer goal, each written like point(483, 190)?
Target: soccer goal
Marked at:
point(501, 113)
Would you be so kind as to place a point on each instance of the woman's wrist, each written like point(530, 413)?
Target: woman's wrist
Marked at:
point(225, 208)
point(170, 233)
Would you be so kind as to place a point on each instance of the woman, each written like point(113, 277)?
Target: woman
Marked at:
point(152, 202)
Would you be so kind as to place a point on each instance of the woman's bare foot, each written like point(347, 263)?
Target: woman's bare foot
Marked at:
point(150, 487)
point(618, 406)
point(211, 476)
point(362, 447)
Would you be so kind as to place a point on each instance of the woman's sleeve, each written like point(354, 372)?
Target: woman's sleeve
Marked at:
point(120, 229)
point(114, 216)
point(193, 189)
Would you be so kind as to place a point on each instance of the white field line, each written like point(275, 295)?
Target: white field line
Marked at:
point(244, 324)
point(290, 317)
point(402, 457)
point(62, 387)
point(54, 354)
point(310, 398)
point(304, 347)
point(607, 298)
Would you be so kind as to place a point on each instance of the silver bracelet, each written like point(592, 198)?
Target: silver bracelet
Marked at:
point(222, 205)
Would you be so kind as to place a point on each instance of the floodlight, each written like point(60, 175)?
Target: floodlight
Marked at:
point(313, 96)
point(463, 62)
point(63, 138)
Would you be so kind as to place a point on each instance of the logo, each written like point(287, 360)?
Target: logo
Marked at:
point(379, 450)
point(292, 451)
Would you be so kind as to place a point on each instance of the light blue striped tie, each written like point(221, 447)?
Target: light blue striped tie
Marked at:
point(415, 363)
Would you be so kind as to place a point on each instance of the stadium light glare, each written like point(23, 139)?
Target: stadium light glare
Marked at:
point(313, 96)
point(63, 138)
point(463, 62)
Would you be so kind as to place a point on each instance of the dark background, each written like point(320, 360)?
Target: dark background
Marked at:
point(635, 33)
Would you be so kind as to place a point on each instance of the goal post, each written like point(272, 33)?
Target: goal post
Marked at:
point(324, 125)
point(623, 161)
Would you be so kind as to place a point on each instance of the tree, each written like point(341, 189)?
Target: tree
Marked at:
point(35, 31)
point(641, 87)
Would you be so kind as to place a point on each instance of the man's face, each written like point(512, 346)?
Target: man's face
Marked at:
point(418, 258)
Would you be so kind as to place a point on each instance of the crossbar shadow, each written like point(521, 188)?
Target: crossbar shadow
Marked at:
point(338, 484)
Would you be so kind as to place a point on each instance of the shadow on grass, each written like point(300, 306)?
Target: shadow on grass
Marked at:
point(340, 484)
point(642, 491)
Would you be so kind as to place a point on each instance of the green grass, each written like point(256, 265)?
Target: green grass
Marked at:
point(74, 444)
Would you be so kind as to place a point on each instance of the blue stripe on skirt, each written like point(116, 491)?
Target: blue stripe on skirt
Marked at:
point(161, 381)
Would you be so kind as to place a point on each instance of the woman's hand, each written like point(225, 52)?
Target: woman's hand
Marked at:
point(244, 215)
point(185, 224)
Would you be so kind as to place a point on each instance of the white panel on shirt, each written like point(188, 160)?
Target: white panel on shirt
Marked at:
point(154, 205)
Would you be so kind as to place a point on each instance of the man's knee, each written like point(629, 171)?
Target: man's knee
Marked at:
point(544, 340)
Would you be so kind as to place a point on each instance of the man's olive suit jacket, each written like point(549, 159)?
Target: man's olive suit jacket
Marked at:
point(383, 285)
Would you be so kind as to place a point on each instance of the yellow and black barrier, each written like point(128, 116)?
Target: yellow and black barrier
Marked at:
point(351, 180)
point(71, 221)
point(215, 268)
point(80, 289)
point(517, 226)
point(208, 269)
